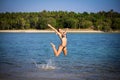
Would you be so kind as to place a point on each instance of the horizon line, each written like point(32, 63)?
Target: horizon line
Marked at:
point(57, 11)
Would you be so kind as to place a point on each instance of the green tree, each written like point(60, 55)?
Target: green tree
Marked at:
point(86, 24)
point(33, 22)
point(51, 21)
point(116, 24)
point(105, 21)
point(70, 23)
point(103, 25)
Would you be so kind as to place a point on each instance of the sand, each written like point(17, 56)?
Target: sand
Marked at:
point(50, 31)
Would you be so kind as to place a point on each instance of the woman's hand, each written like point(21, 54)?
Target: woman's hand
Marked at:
point(49, 25)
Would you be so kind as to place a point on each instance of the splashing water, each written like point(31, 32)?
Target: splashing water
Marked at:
point(50, 65)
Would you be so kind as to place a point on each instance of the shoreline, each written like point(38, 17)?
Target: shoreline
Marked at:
point(50, 31)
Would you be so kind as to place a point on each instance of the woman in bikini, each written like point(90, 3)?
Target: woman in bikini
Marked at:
point(62, 46)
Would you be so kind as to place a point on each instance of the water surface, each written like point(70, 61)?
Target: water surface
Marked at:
point(29, 56)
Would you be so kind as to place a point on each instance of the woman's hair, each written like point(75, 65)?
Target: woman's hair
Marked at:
point(58, 29)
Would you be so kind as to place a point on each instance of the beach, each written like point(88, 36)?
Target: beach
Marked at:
point(50, 31)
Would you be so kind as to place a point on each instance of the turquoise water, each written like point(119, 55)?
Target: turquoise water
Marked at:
point(29, 56)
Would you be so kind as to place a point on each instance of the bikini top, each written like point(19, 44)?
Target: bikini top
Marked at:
point(63, 35)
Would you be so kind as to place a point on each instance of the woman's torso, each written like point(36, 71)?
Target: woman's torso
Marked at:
point(63, 40)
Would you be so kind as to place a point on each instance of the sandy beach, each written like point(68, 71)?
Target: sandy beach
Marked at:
point(50, 31)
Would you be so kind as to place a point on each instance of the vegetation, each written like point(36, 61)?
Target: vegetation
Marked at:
point(105, 21)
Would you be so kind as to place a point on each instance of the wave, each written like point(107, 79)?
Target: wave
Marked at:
point(7, 62)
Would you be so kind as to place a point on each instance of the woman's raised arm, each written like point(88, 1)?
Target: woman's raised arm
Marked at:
point(53, 28)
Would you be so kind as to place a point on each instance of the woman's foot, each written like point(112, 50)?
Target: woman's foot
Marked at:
point(52, 45)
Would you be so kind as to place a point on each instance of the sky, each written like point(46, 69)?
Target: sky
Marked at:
point(59, 5)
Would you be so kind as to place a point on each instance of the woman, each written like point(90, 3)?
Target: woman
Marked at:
point(62, 46)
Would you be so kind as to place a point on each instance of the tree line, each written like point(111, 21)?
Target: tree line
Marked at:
point(104, 21)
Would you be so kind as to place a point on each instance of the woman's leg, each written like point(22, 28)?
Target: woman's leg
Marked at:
point(57, 52)
point(65, 51)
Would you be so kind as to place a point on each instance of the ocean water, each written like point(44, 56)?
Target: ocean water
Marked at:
point(29, 56)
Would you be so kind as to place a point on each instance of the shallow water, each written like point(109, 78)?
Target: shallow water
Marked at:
point(29, 56)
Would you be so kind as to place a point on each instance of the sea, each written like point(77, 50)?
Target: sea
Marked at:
point(29, 56)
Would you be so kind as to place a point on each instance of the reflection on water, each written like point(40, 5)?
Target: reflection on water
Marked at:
point(29, 56)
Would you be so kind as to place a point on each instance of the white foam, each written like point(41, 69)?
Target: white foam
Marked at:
point(50, 65)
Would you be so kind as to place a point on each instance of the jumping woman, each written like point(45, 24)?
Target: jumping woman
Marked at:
point(63, 38)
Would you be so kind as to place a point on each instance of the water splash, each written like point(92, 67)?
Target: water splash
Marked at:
point(50, 65)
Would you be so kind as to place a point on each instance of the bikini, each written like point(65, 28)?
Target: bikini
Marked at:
point(63, 36)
